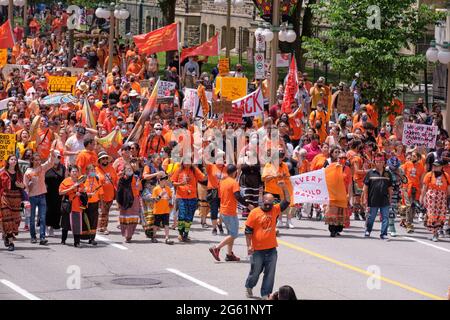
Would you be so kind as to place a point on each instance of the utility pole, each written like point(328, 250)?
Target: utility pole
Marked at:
point(228, 29)
point(273, 52)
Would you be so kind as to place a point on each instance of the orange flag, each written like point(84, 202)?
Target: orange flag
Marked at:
point(163, 39)
point(6, 36)
point(208, 48)
point(291, 87)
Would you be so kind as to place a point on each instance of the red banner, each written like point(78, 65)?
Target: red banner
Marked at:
point(6, 36)
point(163, 39)
point(291, 87)
point(208, 48)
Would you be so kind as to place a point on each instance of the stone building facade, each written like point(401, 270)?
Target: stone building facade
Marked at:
point(199, 20)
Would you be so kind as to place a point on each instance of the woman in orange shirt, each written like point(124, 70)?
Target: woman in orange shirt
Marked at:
point(435, 190)
point(94, 190)
point(128, 199)
point(72, 188)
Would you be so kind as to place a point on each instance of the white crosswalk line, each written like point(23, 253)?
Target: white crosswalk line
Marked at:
point(199, 282)
point(19, 290)
point(111, 243)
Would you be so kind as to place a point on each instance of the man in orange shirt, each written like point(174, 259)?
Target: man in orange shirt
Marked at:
point(87, 156)
point(162, 196)
point(414, 171)
point(109, 180)
point(260, 234)
point(229, 196)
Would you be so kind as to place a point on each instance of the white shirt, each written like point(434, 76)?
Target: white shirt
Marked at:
point(73, 144)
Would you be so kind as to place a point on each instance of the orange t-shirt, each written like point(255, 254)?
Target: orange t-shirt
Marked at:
point(67, 184)
point(414, 172)
point(86, 158)
point(335, 178)
point(434, 183)
point(264, 227)
point(93, 185)
point(108, 179)
point(272, 185)
point(318, 162)
point(295, 122)
point(304, 167)
point(356, 160)
point(228, 203)
point(190, 175)
point(162, 206)
point(213, 171)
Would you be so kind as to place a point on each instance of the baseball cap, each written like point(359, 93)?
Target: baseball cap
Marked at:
point(157, 126)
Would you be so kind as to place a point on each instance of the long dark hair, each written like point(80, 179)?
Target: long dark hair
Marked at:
point(16, 167)
point(286, 293)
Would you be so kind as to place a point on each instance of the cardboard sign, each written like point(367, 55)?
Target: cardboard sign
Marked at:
point(191, 100)
point(7, 145)
point(252, 104)
point(283, 60)
point(224, 66)
point(222, 106)
point(4, 103)
point(74, 71)
point(3, 57)
point(419, 135)
point(233, 88)
point(166, 91)
point(61, 84)
point(310, 187)
point(260, 70)
point(345, 102)
point(235, 116)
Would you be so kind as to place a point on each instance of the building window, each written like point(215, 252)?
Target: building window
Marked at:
point(212, 30)
point(128, 25)
point(233, 38)
point(148, 24)
point(155, 23)
point(223, 38)
point(203, 31)
point(245, 40)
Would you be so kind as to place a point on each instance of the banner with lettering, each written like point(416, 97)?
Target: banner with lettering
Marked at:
point(310, 187)
point(419, 135)
point(191, 100)
point(251, 105)
point(7, 145)
point(233, 88)
point(61, 84)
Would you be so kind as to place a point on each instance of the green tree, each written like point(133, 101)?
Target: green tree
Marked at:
point(354, 42)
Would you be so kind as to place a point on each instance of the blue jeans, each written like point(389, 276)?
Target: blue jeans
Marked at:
point(384, 222)
point(40, 203)
point(263, 260)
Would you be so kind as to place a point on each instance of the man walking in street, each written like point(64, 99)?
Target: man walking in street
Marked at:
point(229, 195)
point(260, 233)
point(377, 195)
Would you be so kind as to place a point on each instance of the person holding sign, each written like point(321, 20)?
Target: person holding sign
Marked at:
point(11, 196)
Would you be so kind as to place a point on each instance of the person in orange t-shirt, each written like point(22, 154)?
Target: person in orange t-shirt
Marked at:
point(72, 187)
point(414, 171)
point(185, 181)
point(435, 191)
point(87, 156)
point(229, 194)
point(319, 160)
point(260, 234)
point(94, 190)
point(109, 180)
point(162, 196)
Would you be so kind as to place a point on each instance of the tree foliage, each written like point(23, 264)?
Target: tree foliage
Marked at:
point(353, 43)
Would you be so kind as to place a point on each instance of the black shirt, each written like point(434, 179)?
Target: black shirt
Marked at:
point(378, 184)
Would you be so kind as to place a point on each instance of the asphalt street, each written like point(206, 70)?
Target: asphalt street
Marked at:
point(409, 266)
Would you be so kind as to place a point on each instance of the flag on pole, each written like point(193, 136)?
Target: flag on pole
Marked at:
point(149, 108)
point(89, 115)
point(113, 139)
point(208, 48)
point(291, 88)
point(163, 39)
point(6, 36)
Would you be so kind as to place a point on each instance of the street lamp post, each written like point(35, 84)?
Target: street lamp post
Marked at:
point(11, 13)
point(113, 12)
point(441, 52)
point(11, 4)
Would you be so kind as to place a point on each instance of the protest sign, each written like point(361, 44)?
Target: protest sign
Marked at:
point(29, 42)
point(345, 102)
point(283, 60)
point(166, 91)
point(251, 105)
point(8, 68)
point(221, 106)
point(4, 103)
point(74, 71)
point(310, 187)
point(7, 145)
point(145, 83)
point(191, 100)
point(233, 88)
point(235, 116)
point(166, 111)
point(419, 135)
point(3, 57)
point(224, 66)
point(61, 84)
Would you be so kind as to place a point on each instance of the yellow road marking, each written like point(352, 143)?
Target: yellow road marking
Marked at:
point(359, 270)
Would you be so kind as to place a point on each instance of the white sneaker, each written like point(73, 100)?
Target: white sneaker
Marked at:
point(393, 234)
point(290, 225)
point(51, 232)
point(279, 223)
point(249, 292)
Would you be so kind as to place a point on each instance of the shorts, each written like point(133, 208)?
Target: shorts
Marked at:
point(232, 224)
point(162, 220)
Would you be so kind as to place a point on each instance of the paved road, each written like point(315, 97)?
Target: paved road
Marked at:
point(317, 266)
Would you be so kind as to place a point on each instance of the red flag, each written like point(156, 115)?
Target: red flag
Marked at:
point(163, 39)
point(208, 48)
point(6, 36)
point(291, 87)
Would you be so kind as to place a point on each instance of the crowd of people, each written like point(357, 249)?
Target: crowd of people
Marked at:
point(64, 173)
